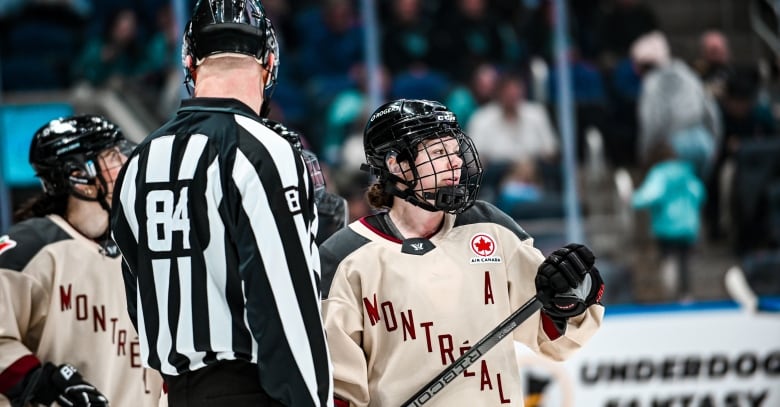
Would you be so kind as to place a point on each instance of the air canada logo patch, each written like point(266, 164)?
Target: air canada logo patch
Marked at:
point(484, 246)
point(6, 244)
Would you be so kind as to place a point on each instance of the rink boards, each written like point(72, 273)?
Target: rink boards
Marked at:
point(703, 354)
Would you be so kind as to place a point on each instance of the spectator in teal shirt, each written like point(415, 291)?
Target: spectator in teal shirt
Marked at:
point(674, 195)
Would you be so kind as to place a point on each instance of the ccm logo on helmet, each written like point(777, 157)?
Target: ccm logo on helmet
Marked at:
point(446, 117)
point(384, 112)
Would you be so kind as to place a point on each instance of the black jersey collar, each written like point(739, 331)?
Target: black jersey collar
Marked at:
point(227, 105)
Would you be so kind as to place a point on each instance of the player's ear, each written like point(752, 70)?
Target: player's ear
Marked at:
point(391, 161)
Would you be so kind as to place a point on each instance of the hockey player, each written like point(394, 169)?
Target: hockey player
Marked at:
point(65, 335)
point(414, 286)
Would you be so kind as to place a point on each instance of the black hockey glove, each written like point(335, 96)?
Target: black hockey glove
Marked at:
point(567, 283)
point(62, 384)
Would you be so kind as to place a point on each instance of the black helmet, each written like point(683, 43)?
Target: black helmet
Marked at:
point(237, 26)
point(309, 158)
point(64, 152)
point(292, 136)
point(397, 128)
point(331, 208)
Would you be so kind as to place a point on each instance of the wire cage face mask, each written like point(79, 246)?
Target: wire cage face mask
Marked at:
point(446, 174)
point(110, 161)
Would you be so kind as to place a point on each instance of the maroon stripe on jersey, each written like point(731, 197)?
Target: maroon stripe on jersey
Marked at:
point(17, 371)
point(549, 327)
point(379, 232)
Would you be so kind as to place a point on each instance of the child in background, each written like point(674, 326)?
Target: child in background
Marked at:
point(674, 195)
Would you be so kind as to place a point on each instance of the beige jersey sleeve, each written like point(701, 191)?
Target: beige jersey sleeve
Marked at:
point(344, 327)
point(65, 303)
point(23, 309)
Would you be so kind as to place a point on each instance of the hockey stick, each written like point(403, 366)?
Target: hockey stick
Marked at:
point(487, 342)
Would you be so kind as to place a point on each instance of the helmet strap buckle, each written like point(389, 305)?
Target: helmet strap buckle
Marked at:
point(450, 197)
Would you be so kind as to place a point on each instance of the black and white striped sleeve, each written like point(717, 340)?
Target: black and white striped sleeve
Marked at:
point(273, 233)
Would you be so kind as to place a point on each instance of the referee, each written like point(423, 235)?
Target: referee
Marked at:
point(214, 214)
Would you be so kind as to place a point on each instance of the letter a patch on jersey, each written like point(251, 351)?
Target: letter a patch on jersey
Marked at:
point(6, 244)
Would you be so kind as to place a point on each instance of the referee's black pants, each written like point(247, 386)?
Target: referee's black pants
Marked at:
point(230, 383)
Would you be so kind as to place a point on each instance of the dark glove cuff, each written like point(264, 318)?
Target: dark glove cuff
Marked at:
point(17, 375)
point(44, 391)
point(36, 387)
point(596, 289)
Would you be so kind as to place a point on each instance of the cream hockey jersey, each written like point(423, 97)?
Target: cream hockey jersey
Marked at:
point(62, 300)
point(398, 312)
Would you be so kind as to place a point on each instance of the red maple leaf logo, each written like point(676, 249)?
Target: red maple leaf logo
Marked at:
point(6, 243)
point(483, 246)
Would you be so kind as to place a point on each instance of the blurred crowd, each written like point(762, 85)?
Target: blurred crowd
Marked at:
point(492, 63)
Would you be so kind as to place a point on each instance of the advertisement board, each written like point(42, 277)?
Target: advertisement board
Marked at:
point(665, 357)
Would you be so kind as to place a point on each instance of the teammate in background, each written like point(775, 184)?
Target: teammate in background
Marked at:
point(215, 217)
point(414, 286)
point(65, 335)
point(332, 209)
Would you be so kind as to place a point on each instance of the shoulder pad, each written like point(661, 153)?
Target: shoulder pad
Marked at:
point(25, 239)
point(334, 250)
point(485, 212)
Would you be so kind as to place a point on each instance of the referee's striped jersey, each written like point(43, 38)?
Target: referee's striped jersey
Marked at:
point(215, 218)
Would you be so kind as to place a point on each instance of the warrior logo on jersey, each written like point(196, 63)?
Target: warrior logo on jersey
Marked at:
point(110, 249)
point(6, 244)
point(484, 246)
point(417, 246)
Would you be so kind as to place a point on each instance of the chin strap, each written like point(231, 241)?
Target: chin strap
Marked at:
point(265, 108)
point(100, 198)
point(407, 194)
point(449, 198)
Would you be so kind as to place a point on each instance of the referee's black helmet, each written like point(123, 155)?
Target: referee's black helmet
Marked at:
point(234, 26)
